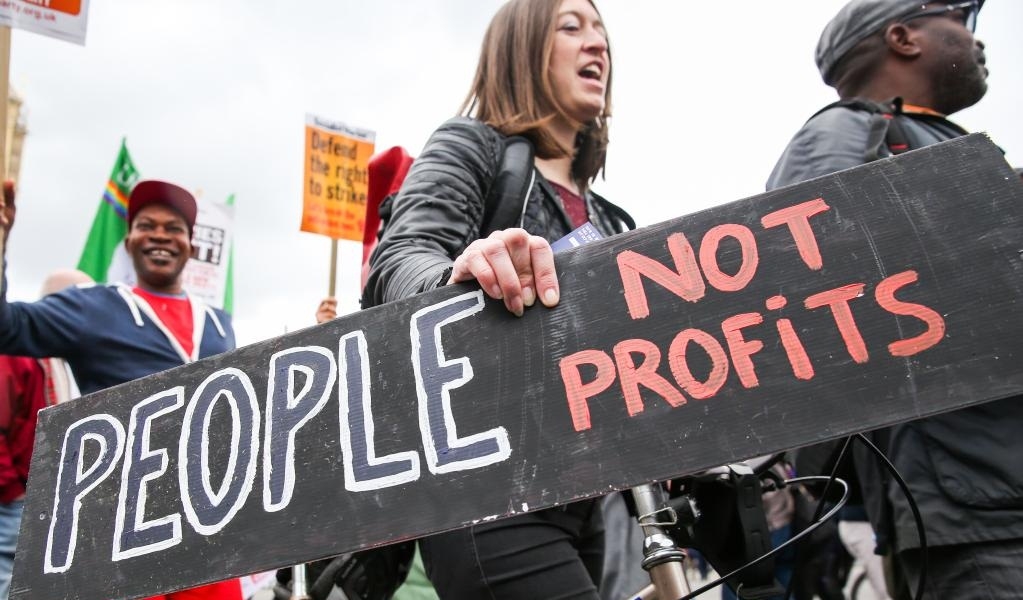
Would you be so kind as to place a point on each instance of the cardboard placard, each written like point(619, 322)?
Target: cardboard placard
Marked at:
point(842, 304)
point(336, 178)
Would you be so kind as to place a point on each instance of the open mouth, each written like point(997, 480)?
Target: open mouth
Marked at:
point(160, 254)
point(591, 71)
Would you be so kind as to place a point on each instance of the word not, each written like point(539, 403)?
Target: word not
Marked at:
point(687, 282)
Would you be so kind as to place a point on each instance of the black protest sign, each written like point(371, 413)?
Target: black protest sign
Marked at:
point(873, 296)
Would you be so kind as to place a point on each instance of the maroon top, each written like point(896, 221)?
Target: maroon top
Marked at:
point(574, 205)
point(21, 397)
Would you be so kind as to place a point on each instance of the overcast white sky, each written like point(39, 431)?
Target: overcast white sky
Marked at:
point(212, 95)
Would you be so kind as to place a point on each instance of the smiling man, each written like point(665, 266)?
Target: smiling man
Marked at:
point(114, 333)
point(111, 334)
point(161, 217)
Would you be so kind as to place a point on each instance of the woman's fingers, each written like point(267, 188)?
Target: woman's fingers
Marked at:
point(489, 261)
point(510, 265)
point(545, 278)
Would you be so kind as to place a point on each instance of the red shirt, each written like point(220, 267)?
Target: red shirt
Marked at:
point(574, 205)
point(175, 312)
point(223, 590)
point(22, 385)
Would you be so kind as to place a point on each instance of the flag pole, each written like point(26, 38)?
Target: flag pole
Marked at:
point(5, 73)
point(5, 70)
point(333, 267)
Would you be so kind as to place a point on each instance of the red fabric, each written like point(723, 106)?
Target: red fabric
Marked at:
point(22, 385)
point(574, 204)
point(387, 171)
point(51, 393)
point(176, 315)
point(222, 590)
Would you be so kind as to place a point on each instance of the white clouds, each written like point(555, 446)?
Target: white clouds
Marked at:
point(212, 95)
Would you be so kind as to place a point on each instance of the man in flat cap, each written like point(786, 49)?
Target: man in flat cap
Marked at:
point(901, 66)
point(916, 60)
point(111, 334)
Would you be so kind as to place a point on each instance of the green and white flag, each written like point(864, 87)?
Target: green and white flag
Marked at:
point(111, 222)
point(229, 284)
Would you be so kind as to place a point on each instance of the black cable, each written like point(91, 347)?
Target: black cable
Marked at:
point(810, 529)
point(912, 507)
point(819, 520)
point(816, 514)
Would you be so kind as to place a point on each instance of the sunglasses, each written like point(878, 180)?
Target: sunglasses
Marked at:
point(967, 13)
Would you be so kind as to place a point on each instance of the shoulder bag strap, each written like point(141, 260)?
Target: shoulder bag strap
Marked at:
point(886, 130)
point(616, 213)
point(510, 189)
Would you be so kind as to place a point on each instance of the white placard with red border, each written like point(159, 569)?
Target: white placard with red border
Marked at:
point(62, 19)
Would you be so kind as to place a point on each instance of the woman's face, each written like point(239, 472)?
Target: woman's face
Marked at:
point(580, 63)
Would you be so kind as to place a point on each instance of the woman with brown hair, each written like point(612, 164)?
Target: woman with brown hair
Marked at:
point(544, 74)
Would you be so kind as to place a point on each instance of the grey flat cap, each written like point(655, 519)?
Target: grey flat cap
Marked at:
point(855, 22)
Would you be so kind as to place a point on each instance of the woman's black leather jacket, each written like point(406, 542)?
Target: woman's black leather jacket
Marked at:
point(439, 211)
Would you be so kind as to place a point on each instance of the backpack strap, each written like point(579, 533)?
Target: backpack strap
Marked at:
point(886, 130)
point(616, 213)
point(512, 184)
point(509, 191)
point(897, 138)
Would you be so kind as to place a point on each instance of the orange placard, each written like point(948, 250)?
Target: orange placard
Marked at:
point(335, 179)
point(71, 7)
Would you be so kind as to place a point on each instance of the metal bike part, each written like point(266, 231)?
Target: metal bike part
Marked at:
point(299, 587)
point(662, 559)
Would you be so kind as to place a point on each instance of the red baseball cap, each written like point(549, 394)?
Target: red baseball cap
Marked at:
point(172, 196)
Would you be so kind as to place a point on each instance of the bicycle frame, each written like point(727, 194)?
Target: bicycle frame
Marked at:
point(299, 585)
point(662, 559)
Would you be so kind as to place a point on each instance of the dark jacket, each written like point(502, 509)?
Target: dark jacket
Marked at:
point(439, 211)
point(108, 334)
point(963, 467)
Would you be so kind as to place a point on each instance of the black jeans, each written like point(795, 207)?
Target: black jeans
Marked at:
point(551, 554)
